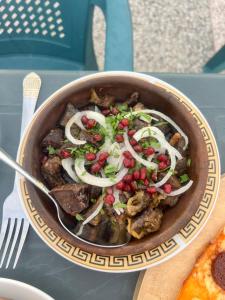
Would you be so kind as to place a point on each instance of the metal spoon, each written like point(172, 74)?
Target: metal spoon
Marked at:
point(65, 220)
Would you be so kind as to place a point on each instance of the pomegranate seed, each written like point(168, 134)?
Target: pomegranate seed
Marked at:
point(167, 188)
point(95, 168)
point(154, 176)
point(151, 189)
point(109, 199)
point(103, 156)
point(149, 151)
point(162, 157)
point(132, 163)
point(127, 178)
point(138, 148)
point(133, 185)
point(101, 162)
point(119, 138)
point(126, 163)
point(106, 112)
point(90, 156)
point(162, 165)
point(127, 154)
point(120, 185)
point(124, 122)
point(131, 132)
point(146, 182)
point(65, 154)
point(120, 126)
point(109, 190)
point(133, 142)
point(114, 111)
point(97, 137)
point(84, 119)
point(91, 123)
point(127, 188)
point(143, 173)
point(136, 175)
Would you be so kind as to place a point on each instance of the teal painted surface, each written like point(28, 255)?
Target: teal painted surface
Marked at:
point(216, 63)
point(37, 34)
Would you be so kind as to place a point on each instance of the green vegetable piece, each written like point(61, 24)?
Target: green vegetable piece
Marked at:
point(119, 205)
point(109, 170)
point(79, 217)
point(161, 123)
point(189, 162)
point(93, 201)
point(51, 150)
point(184, 178)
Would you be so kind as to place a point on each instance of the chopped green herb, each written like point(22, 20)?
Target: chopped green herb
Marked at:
point(189, 162)
point(184, 178)
point(102, 212)
point(79, 217)
point(145, 116)
point(122, 107)
point(82, 150)
point(93, 201)
point(161, 123)
point(110, 170)
point(66, 141)
point(154, 144)
point(119, 205)
point(51, 150)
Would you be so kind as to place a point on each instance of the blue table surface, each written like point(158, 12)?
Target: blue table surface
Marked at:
point(39, 265)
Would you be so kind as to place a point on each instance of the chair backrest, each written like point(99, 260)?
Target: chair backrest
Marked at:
point(45, 27)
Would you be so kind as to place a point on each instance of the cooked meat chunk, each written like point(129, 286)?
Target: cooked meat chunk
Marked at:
point(133, 99)
point(51, 171)
point(174, 181)
point(170, 201)
point(104, 101)
point(54, 138)
point(137, 203)
point(156, 199)
point(138, 124)
point(175, 139)
point(73, 198)
point(180, 146)
point(87, 136)
point(75, 131)
point(138, 106)
point(149, 221)
point(69, 112)
point(181, 166)
point(95, 191)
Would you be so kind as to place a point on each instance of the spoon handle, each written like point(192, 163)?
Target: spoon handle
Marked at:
point(6, 158)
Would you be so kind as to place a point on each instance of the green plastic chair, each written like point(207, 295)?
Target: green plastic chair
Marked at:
point(57, 34)
point(216, 63)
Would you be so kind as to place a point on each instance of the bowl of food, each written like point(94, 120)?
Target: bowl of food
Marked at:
point(125, 155)
point(17, 290)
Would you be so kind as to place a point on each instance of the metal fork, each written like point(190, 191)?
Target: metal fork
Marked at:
point(14, 220)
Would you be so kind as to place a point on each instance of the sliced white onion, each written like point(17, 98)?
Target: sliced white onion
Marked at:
point(115, 155)
point(91, 217)
point(181, 190)
point(151, 131)
point(136, 156)
point(169, 120)
point(94, 180)
point(97, 109)
point(68, 132)
point(169, 173)
point(77, 120)
point(68, 164)
point(166, 118)
point(117, 200)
